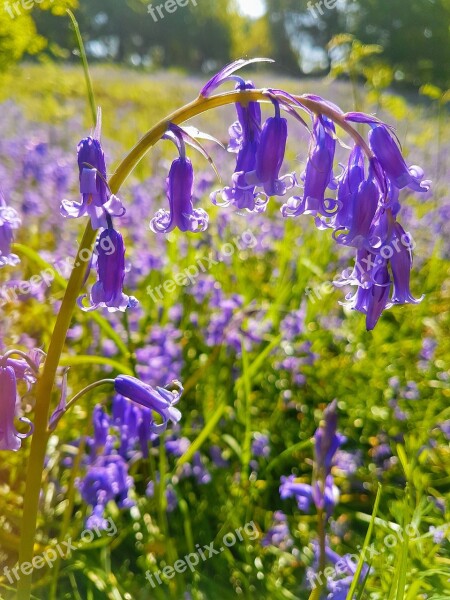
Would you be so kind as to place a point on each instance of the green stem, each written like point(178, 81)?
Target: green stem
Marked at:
point(43, 399)
point(46, 382)
point(80, 394)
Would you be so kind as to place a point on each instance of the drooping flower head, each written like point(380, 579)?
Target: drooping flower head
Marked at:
point(159, 400)
point(180, 189)
point(96, 199)
point(270, 156)
point(9, 220)
point(318, 175)
point(10, 438)
point(392, 162)
point(245, 136)
point(108, 290)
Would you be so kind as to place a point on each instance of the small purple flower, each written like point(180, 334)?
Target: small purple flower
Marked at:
point(364, 205)
point(97, 200)
point(270, 155)
point(261, 445)
point(10, 438)
point(102, 423)
point(108, 291)
point(393, 163)
point(9, 220)
point(445, 428)
point(199, 470)
point(278, 535)
point(177, 446)
point(216, 455)
point(401, 263)
point(159, 400)
point(303, 492)
point(327, 440)
point(245, 135)
point(181, 213)
point(318, 175)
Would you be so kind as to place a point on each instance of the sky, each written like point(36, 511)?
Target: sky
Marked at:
point(252, 8)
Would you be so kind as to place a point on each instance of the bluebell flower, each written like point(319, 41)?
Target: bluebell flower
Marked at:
point(177, 446)
point(401, 264)
point(10, 438)
point(199, 470)
point(323, 497)
point(108, 290)
point(96, 199)
point(278, 535)
point(245, 135)
point(392, 162)
point(270, 156)
point(373, 299)
point(339, 576)
point(216, 455)
point(101, 422)
point(318, 174)
point(9, 220)
point(302, 492)
point(181, 213)
point(327, 440)
point(364, 204)
point(159, 400)
point(261, 445)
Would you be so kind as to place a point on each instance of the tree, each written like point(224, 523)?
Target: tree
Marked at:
point(18, 33)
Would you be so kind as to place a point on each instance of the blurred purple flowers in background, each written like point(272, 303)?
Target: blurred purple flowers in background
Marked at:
point(9, 220)
point(322, 492)
point(12, 370)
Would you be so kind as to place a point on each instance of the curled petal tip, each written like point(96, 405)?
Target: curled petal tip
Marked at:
point(225, 73)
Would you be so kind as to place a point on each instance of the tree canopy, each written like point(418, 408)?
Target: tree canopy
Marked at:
point(202, 33)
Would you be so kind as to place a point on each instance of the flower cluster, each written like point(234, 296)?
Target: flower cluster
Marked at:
point(9, 220)
point(119, 438)
point(360, 205)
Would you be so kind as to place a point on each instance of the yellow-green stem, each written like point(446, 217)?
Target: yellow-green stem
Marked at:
point(46, 382)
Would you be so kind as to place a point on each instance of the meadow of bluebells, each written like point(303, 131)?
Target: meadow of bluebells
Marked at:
point(296, 397)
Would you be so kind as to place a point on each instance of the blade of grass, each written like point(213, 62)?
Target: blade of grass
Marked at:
point(203, 435)
point(355, 581)
point(245, 415)
point(87, 75)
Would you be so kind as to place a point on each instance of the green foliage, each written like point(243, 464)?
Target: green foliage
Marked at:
point(18, 34)
point(229, 397)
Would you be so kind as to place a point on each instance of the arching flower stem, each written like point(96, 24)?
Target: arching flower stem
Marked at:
point(46, 381)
